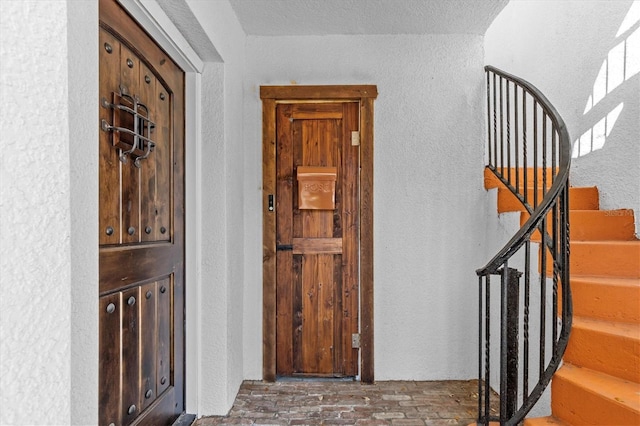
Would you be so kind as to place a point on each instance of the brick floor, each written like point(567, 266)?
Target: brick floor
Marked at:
point(352, 403)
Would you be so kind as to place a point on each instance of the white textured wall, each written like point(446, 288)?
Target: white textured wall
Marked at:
point(561, 47)
point(35, 253)
point(430, 207)
point(220, 369)
point(46, 316)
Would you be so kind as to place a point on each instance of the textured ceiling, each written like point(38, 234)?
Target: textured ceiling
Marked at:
point(323, 17)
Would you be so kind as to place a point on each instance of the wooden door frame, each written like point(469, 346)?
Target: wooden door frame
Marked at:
point(365, 96)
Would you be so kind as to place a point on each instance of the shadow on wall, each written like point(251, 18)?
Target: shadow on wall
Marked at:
point(618, 67)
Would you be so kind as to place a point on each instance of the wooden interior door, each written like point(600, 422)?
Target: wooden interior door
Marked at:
point(317, 244)
point(141, 232)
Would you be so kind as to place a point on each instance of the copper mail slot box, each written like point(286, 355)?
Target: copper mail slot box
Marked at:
point(317, 188)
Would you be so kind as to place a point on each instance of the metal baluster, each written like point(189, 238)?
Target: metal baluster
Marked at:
point(567, 309)
point(543, 294)
point(480, 335)
point(515, 135)
point(554, 324)
point(504, 351)
point(488, 115)
point(527, 292)
point(508, 134)
point(525, 164)
point(544, 154)
point(495, 126)
point(501, 132)
point(554, 132)
point(535, 153)
point(487, 351)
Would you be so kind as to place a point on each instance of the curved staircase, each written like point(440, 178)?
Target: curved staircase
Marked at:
point(599, 381)
point(569, 302)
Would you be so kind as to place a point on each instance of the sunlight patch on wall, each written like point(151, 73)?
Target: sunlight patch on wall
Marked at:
point(622, 63)
point(594, 138)
point(633, 16)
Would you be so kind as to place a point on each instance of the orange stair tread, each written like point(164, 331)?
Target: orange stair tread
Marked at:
point(624, 392)
point(621, 214)
point(607, 281)
point(605, 212)
point(610, 242)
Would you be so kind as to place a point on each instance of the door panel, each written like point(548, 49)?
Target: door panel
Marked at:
point(317, 250)
point(141, 228)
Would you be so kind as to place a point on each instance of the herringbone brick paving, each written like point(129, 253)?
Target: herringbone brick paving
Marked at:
point(352, 403)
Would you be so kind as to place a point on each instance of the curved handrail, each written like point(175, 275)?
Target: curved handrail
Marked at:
point(554, 202)
point(562, 178)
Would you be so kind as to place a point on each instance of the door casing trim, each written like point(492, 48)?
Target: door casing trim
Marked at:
point(365, 96)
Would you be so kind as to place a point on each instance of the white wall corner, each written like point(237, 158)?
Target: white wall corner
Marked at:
point(82, 38)
point(193, 250)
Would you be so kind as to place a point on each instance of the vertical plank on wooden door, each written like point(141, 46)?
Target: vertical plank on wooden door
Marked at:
point(130, 76)
point(130, 354)
point(297, 313)
point(307, 143)
point(298, 259)
point(109, 163)
point(350, 236)
point(326, 291)
point(109, 344)
point(150, 230)
point(284, 258)
point(163, 160)
point(339, 349)
point(163, 363)
point(309, 348)
point(338, 343)
point(318, 142)
point(148, 343)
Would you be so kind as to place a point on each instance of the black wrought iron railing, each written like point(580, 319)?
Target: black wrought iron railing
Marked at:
point(521, 345)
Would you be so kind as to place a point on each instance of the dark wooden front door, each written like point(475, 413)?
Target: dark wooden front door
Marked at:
point(317, 241)
point(141, 230)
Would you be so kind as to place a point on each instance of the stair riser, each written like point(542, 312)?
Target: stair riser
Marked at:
point(594, 225)
point(611, 354)
point(602, 225)
point(603, 301)
point(492, 181)
point(576, 405)
point(579, 199)
point(605, 259)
